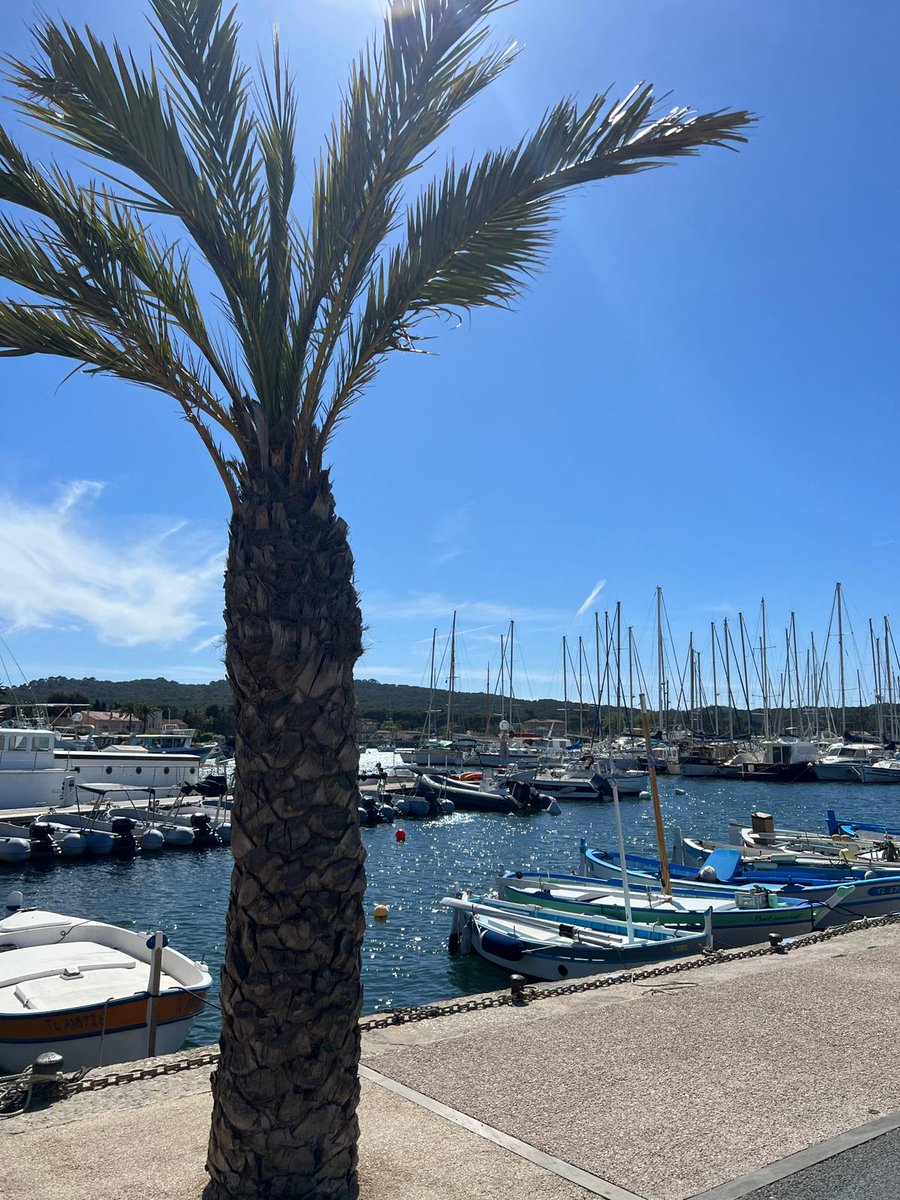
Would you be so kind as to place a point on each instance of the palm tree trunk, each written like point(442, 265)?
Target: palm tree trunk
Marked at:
point(286, 1090)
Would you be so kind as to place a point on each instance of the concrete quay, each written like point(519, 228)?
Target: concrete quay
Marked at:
point(770, 1078)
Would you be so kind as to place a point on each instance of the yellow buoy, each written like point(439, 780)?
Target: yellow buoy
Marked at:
point(381, 911)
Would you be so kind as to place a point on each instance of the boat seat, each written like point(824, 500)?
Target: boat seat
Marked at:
point(44, 962)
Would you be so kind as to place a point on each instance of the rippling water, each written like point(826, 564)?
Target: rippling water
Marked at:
point(405, 960)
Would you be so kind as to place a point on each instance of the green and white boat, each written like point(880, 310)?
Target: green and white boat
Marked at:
point(748, 916)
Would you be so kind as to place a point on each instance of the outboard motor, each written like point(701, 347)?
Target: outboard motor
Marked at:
point(43, 847)
point(212, 785)
point(523, 793)
point(125, 845)
point(204, 834)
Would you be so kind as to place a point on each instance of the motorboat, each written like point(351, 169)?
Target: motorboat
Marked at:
point(839, 762)
point(885, 771)
point(785, 759)
point(82, 989)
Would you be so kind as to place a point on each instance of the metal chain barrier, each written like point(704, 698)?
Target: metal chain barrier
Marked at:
point(517, 998)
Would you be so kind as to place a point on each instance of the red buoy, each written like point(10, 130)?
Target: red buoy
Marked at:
point(400, 835)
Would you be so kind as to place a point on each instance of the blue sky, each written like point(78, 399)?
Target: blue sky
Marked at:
point(700, 391)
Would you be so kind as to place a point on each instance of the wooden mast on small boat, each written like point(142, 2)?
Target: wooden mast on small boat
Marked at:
point(657, 809)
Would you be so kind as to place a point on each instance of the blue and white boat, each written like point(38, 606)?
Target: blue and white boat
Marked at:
point(544, 944)
point(872, 895)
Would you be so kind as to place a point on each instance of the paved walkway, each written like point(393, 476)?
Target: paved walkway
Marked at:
point(699, 1084)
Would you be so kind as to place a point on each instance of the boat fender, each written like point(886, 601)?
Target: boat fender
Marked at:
point(708, 874)
point(73, 845)
point(152, 839)
point(14, 901)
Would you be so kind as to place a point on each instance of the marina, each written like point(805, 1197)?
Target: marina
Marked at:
point(405, 956)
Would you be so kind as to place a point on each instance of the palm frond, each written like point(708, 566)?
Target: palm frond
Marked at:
point(476, 234)
point(100, 100)
point(94, 256)
point(401, 96)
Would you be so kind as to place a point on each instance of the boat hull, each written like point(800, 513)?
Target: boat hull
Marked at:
point(97, 1036)
point(730, 930)
point(870, 897)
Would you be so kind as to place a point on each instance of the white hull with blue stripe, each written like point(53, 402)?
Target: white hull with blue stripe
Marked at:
point(549, 945)
point(873, 897)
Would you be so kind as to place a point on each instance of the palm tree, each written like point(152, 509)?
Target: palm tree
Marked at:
point(130, 710)
point(196, 165)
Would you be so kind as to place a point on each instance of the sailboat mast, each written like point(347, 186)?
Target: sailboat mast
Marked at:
point(876, 674)
point(765, 670)
point(512, 642)
point(607, 676)
point(840, 615)
point(746, 676)
point(660, 665)
point(630, 681)
point(503, 678)
point(580, 689)
point(890, 678)
point(715, 681)
point(429, 719)
point(599, 682)
point(565, 692)
point(619, 665)
point(691, 653)
point(452, 679)
point(797, 676)
point(728, 681)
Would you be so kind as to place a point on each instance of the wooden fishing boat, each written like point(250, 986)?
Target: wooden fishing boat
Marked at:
point(536, 942)
point(872, 895)
point(81, 988)
point(748, 916)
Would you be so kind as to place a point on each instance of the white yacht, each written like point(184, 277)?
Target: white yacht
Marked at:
point(33, 769)
point(838, 762)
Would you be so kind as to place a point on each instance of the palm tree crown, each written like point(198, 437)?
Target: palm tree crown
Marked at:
point(312, 312)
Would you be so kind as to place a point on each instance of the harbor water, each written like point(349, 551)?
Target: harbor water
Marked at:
point(405, 957)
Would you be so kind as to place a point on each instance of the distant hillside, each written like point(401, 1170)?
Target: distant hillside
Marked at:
point(405, 707)
point(104, 694)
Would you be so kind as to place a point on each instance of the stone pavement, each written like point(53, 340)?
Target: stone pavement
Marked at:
point(714, 1083)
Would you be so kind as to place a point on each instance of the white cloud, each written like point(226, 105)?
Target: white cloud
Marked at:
point(55, 571)
point(598, 588)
